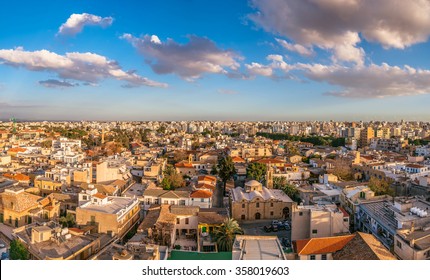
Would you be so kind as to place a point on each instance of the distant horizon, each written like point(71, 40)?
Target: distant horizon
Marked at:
point(207, 120)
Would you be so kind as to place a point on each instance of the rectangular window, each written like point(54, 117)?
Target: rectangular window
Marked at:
point(178, 221)
point(271, 213)
point(312, 257)
point(187, 221)
point(399, 244)
point(300, 213)
point(324, 257)
point(257, 204)
point(243, 205)
point(271, 204)
point(314, 231)
point(202, 200)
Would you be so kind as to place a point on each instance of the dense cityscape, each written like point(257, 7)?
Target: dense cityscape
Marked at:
point(258, 133)
point(183, 190)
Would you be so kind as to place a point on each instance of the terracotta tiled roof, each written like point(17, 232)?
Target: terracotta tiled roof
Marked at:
point(100, 196)
point(237, 159)
point(207, 178)
point(205, 186)
point(17, 150)
point(201, 194)
point(17, 177)
point(363, 246)
point(323, 245)
point(19, 202)
point(184, 164)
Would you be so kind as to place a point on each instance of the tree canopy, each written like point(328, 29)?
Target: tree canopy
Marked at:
point(172, 179)
point(226, 169)
point(226, 233)
point(18, 251)
point(256, 171)
point(380, 186)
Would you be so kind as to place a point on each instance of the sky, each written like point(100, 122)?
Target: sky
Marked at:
point(215, 60)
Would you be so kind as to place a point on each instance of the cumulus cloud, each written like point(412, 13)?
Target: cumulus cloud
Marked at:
point(302, 50)
point(76, 22)
point(336, 25)
point(52, 83)
point(85, 67)
point(257, 69)
point(373, 81)
point(227, 91)
point(189, 61)
point(276, 63)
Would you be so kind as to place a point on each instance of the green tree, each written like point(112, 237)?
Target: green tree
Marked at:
point(226, 233)
point(214, 170)
point(46, 144)
point(226, 170)
point(342, 169)
point(18, 251)
point(290, 190)
point(172, 179)
point(68, 220)
point(256, 171)
point(380, 186)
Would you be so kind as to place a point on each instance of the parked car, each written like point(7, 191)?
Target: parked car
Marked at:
point(4, 256)
point(275, 228)
point(285, 242)
point(268, 228)
point(275, 222)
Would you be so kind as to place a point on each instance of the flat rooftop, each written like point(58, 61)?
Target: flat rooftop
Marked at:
point(257, 248)
point(113, 206)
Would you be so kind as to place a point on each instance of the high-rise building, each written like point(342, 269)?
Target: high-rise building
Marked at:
point(365, 136)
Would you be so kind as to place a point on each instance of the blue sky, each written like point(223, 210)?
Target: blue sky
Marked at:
point(216, 60)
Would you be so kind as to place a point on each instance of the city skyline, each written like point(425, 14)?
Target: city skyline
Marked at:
point(240, 61)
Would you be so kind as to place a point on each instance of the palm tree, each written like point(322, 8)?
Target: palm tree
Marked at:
point(226, 233)
point(226, 170)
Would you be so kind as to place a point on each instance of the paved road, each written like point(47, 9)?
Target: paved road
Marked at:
point(218, 196)
point(256, 228)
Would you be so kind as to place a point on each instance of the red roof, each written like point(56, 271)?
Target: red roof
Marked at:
point(184, 164)
point(324, 245)
point(237, 159)
point(100, 196)
point(205, 186)
point(206, 178)
point(18, 177)
point(17, 150)
point(201, 194)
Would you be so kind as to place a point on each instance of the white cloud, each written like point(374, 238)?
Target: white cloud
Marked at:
point(302, 50)
point(276, 63)
point(336, 25)
point(189, 61)
point(76, 22)
point(258, 69)
point(372, 81)
point(85, 67)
